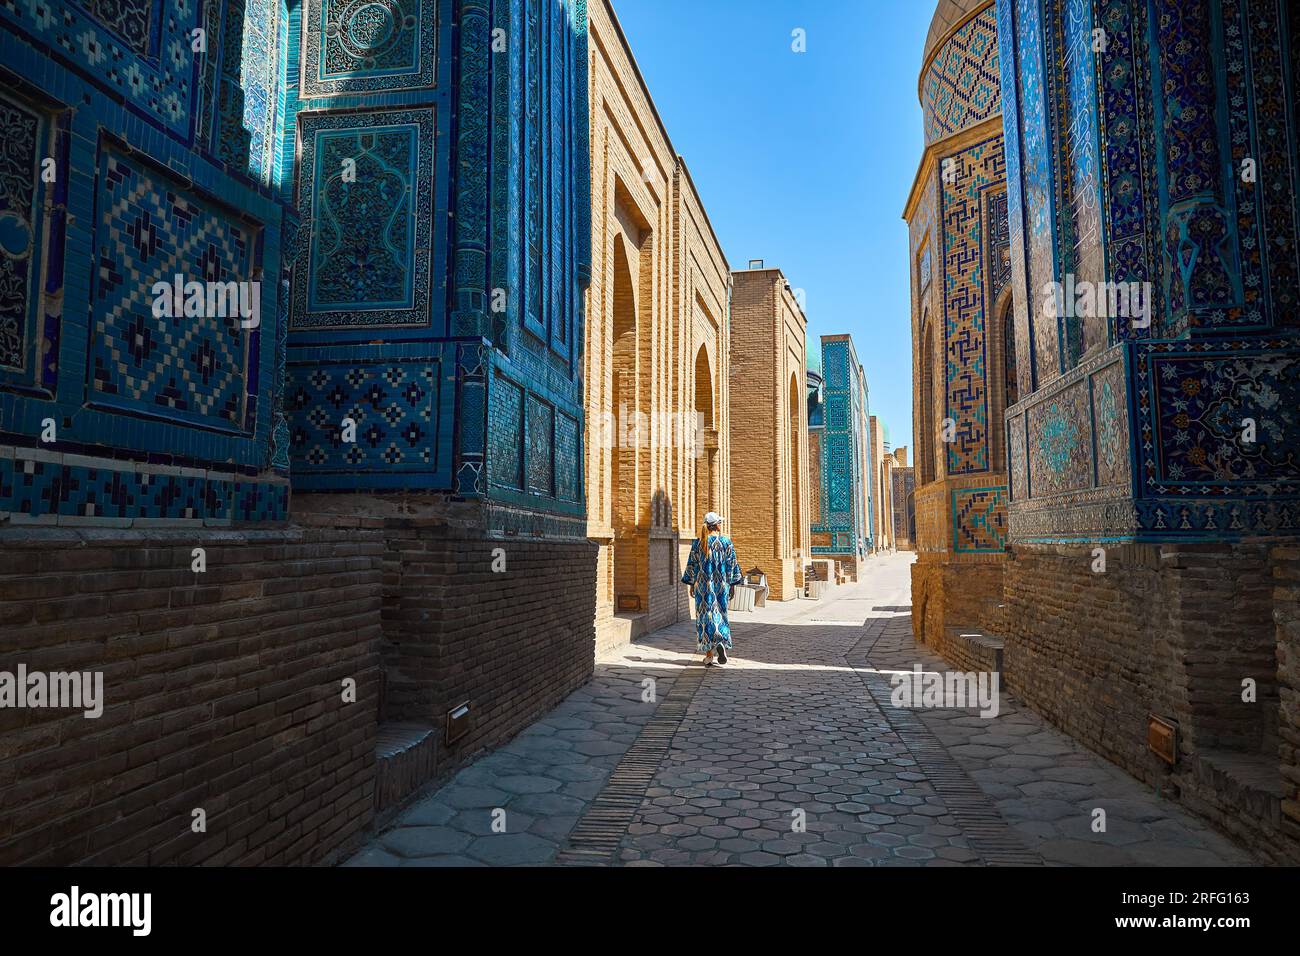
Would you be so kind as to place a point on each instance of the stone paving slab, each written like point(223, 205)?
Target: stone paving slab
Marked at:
point(1048, 787)
point(784, 758)
point(517, 805)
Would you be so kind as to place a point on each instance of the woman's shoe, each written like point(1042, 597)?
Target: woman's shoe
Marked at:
point(708, 659)
point(722, 655)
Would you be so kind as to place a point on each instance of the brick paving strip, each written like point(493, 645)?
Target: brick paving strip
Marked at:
point(597, 835)
point(602, 827)
point(988, 832)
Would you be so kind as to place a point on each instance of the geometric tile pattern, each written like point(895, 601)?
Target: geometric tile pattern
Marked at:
point(998, 245)
point(1197, 231)
point(265, 33)
point(232, 141)
point(1034, 201)
point(191, 368)
point(41, 488)
point(130, 20)
point(150, 141)
point(139, 49)
point(1017, 458)
point(1020, 335)
point(979, 519)
point(396, 252)
point(505, 433)
point(978, 169)
point(1124, 112)
point(1127, 166)
point(1110, 412)
point(534, 179)
point(839, 521)
point(1256, 73)
point(1200, 478)
point(392, 403)
point(541, 453)
point(1059, 443)
point(961, 86)
point(1199, 410)
point(568, 454)
point(1078, 184)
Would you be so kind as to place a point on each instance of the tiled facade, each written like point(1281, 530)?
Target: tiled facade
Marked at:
point(657, 352)
point(144, 162)
point(1166, 439)
point(839, 459)
point(1220, 331)
point(409, 205)
point(436, 343)
point(447, 326)
point(867, 496)
point(770, 493)
point(961, 299)
point(882, 487)
point(903, 489)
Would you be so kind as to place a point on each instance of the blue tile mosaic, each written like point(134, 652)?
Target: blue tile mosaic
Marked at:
point(306, 148)
point(1129, 162)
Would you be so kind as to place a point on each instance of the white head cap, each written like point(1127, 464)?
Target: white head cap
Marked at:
point(713, 518)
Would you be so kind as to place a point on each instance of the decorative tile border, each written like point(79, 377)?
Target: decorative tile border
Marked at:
point(52, 488)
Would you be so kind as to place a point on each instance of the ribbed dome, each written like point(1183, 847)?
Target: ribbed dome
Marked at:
point(947, 15)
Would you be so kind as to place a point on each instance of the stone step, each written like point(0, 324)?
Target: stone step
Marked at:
point(815, 590)
point(1249, 781)
point(630, 627)
point(404, 761)
point(973, 650)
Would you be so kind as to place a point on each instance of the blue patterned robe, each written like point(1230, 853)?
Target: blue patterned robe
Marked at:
point(711, 576)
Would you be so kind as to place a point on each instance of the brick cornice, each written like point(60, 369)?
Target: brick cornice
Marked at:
point(952, 143)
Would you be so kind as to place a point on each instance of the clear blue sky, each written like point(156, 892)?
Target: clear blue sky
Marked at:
point(803, 159)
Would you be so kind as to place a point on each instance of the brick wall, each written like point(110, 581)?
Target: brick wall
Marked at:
point(659, 283)
point(223, 691)
point(665, 581)
point(947, 595)
point(1170, 631)
point(756, 424)
point(1285, 563)
point(512, 643)
point(1078, 650)
point(770, 520)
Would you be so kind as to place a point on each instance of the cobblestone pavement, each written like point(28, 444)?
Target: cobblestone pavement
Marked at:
point(790, 755)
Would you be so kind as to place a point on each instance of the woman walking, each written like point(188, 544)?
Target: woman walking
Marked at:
point(711, 572)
